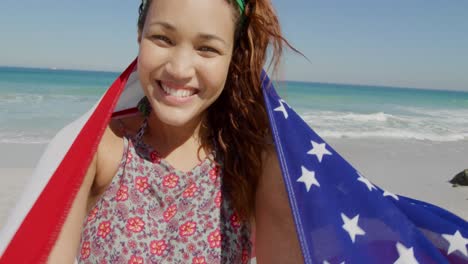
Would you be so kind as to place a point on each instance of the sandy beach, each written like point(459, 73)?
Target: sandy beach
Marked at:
point(418, 169)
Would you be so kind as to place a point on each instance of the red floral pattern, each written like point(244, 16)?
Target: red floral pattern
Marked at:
point(152, 212)
point(245, 256)
point(171, 181)
point(215, 239)
point(135, 224)
point(104, 229)
point(141, 183)
point(213, 174)
point(129, 157)
point(170, 212)
point(218, 198)
point(85, 251)
point(158, 247)
point(187, 229)
point(122, 193)
point(92, 214)
point(154, 157)
point(235, 223)
point(190, 191)
point(135, 260)
point(199, 260)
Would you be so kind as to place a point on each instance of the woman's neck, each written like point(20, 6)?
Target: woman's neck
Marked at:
point(173, 140)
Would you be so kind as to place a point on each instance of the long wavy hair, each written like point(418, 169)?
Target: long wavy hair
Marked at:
point(237, 121)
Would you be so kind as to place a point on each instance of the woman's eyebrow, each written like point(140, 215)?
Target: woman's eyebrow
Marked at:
point(206, 36)
point(164, 25)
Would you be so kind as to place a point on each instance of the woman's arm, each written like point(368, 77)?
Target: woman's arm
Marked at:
point(66, 246)
point(99, 175)
point(276, 238)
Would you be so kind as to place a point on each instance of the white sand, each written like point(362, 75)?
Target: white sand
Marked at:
point(12, 182)
point(16, 166)
point(417, 169)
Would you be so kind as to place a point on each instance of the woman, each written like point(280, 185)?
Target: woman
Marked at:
point(186, 181)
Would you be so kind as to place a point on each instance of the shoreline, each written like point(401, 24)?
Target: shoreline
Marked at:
point(417, 169)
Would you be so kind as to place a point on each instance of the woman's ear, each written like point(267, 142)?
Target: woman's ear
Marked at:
point(139, 37)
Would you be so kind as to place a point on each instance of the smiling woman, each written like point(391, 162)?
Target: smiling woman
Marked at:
point(184, 60)
point(193, 176)
point(188, 179)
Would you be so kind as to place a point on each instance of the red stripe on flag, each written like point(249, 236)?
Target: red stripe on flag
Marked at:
point(33, 241)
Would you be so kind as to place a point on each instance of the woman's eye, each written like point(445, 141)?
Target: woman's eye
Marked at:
point(209, 49)
point(162, 38)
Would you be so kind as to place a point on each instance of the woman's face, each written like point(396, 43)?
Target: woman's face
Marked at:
point(184, 56)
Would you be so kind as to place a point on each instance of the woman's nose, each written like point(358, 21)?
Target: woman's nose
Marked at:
point(181, 64)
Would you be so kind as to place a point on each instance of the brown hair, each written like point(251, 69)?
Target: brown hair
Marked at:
point(237, 121)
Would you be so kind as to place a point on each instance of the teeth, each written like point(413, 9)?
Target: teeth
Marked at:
point(177, 92)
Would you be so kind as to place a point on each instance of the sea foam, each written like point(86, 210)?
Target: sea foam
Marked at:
point(433, 125)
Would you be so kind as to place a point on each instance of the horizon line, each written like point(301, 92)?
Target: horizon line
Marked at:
point(275, 80)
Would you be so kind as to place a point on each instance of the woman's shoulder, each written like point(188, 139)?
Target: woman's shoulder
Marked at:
point(116, 130)
point(111, 149)
point(119, 127)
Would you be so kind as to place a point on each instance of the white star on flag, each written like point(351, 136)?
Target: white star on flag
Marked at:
point(351, 226)
point(326, 262)
point(394, 196)
point(369, 185)
point(282, 109)
point(319, 150)
point(457, 242)
point(406, 255)
point(308, 178)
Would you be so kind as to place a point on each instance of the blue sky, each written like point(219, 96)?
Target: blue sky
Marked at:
point(417, 43)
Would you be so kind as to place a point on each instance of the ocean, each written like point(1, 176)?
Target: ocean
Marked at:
point(36, 103)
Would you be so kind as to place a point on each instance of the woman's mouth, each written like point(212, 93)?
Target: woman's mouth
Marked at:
point(180, 92)
point(176, 95)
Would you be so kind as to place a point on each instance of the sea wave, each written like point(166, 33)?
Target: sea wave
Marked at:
point(433, 125)
point(25, 138)
point(394, 135)
point(30, 98)
point(17, 98)
point(440, 113)
point(349, 116)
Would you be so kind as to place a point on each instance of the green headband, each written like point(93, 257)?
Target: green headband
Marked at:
point(241, 5)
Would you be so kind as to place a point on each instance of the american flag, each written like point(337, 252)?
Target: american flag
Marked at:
point(341, 217)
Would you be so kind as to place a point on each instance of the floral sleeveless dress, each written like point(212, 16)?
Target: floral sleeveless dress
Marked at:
point(153, 213)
